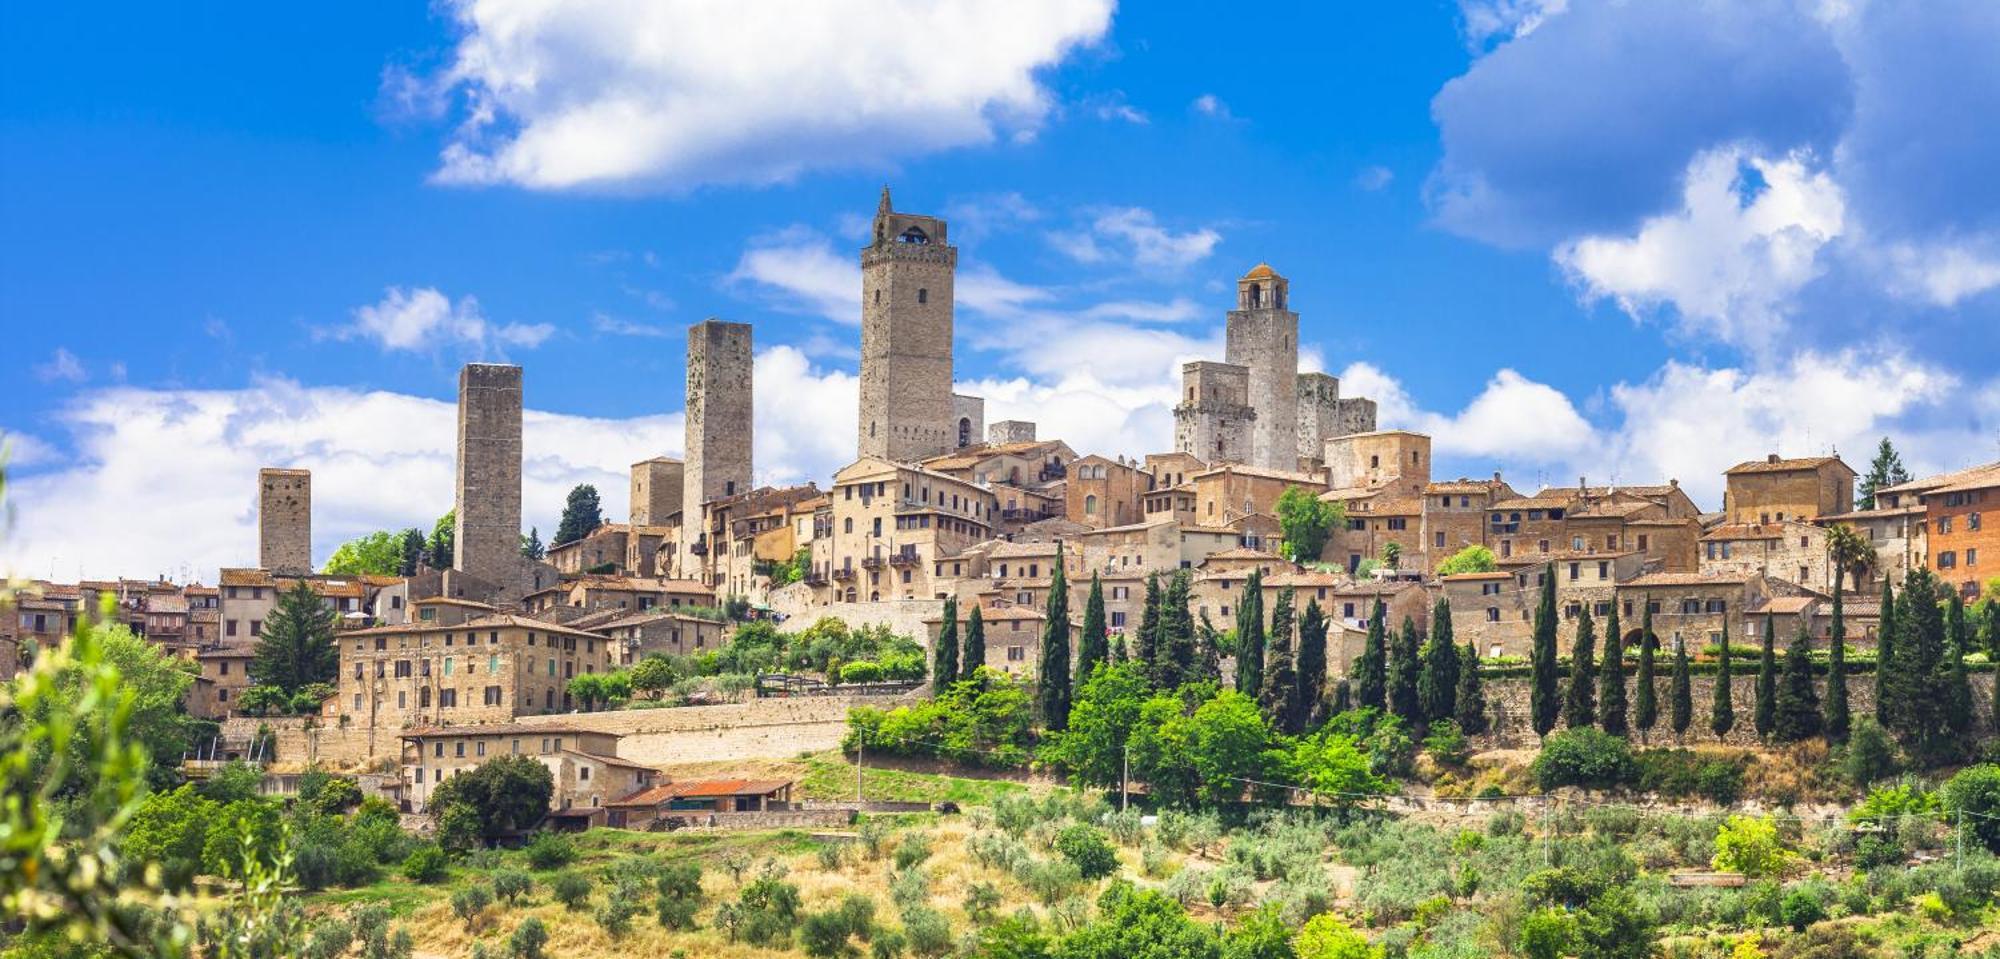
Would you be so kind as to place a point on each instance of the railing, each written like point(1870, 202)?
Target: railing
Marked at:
point(843, 572)
point(815, 579)
point(872, 562)
point(907, 558)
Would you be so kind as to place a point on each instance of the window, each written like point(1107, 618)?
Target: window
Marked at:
point(1575, 570)
point(1972, 557)
point(1117, 620)
point(228, 628)
point(1492, 614)
point(1642, 541)
point(256, 627)
point(1944, 524)
point(447, 699)
point(1440, 540)
point(1016, 654)
point(1971, 523)
point(923, 295)
point(458, 749)
point(1947, 559)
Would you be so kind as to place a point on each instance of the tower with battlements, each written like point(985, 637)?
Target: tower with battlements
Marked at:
point(1214, 421)
point(908, 411)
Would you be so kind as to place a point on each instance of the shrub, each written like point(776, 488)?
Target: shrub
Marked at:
point(426, 864)
point(1974, 794)
point(509, 885)
point(571, 889)
point(528, 939)
point(468, 903)
point(769, 908)
point(913, 849)
point(1750, 845)
point(679, 885)
point(616, 914)
point(1087, 849)
point(1801, 909)
point(551, 850)
point(928, 932)
point(1682, 773)
point(1586, 757)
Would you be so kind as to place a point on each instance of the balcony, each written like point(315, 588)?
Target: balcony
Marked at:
point(907, 557)
point(815, 578)
point(872, 562)
point(843, 573)
point(698, 548)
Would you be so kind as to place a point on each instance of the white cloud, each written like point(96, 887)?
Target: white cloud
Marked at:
point(1373, 178)
point(1512, 419)
point(1128, 418)
point(62, 365)
point(801, 267)
point(423, 320)
point(603, 93)
point(1746, 239)
point(619, 326)
point(1210, 105)
point(1133, 235)
point(1945, 272)
point(806, 419)
point(1486, 23)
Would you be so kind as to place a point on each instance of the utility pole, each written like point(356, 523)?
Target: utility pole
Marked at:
point(858, 748)
point(1961, 840)
point(1125, 780)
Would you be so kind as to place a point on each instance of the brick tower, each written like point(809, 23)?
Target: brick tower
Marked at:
point(906, 331)
point(1263, 336)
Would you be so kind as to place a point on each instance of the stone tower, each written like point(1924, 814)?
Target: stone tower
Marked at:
point(1319, 417)
point(906, 331)
point(1011, 431)
point(284, 520)
point(719, 367)
point(488, 535)
point(1263, 335)
point(1214, 422)
point(968, 420)
point(656, 490)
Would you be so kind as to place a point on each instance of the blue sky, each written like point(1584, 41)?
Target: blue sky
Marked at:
point(1624, 240)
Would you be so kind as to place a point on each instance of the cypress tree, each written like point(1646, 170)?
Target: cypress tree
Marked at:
point(414, 551)
point(1093, 646)
point(944, 665)
point(1680, 694)
point(974, 654)
point(1544, 702)
point(1471, 699)
point(1920, 667)
point(1405, 663)
point(1250, 636)
point(1580, 700)
point(1837, 718)
point(1372, 683)
point(1208, 666)
point(1957, 685)
point(1766, 716)
point(1178, 652)
point(1611, 681)
point(1722, 712)
point(1343, 698)
point(1646, 698)
point(1279, 692)
point(1885, 660)
point(1798, 715)
point(1052, 678)
point(1437, 687)
point(1312, 667)
point(1993, 653)
point(1147, 650)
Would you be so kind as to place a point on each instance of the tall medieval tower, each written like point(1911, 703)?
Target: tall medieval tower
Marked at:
point(487, 538)
point(284, 520)
point(1263, 336)
point(719, 404)
point(906, 338)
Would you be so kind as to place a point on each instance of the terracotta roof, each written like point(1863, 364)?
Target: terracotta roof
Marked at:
point(450, 601)
point(1985, 477)
point(1463, 486)
point(700, 789)
point(609, 760)
point(1868, 514)
point(1303, 479)
point(502, 729)
point(1260, 271)
point(1687, 579)
point(1496, 574)
point(1786, 605)
point(637, 584)
point(1778, 465)
point(201, 591)
point(1242, 552)
point(974, 455)
point(634, 619)
point(1309, 578)
point(1563, 556)
point(247, 577)
point(1008, 550)
point(1935, 481)
point(1373, 588)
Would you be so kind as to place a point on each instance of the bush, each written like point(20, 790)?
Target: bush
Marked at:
point(1088, 850)
point(528, 939)
point(861, 672)
point(1749, 845)
point(426, 864)
point(1586, 757)
point(915, 848)
point(509, 886)
point(551, 850)
point(571, 889)
point(616, 914)
point(468, 903)
point(1801, 909)
point(1684, 773)
point(1974, 794)
point(679, 885)
point(928, 932)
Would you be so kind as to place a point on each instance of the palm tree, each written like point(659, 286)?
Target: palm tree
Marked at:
point(1849, 552)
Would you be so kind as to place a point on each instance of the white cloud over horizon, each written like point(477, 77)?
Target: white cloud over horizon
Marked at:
point(672, 95)
point(422, 319)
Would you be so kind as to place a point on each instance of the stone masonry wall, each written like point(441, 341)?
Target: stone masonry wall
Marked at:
point(488, 498)
point(284, 520)
point(1507, 701)
point(1267, 341)
point(1319, 415)
point(656, 491)
point(906, 342)
point(719, 400)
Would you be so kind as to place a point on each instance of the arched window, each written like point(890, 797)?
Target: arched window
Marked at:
point(1256, 295)
point(914, 235)
point(964, 431)
point(1090, 505)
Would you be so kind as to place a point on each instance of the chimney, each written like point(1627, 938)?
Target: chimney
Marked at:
point(1771, 458)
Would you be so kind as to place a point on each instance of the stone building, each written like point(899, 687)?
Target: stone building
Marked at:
point(1381, 458)
point(1774, 489)
point(657, 487)
point(1324, 415)
point(607, 545)
point(1013, 636)
point(1791, 550)
point(968, 418)
point(1262, 336)
point(284, 520)
point(1454, 515)
point(600, 592)
point(1376, 519)
point(907, 404)
point(487, 538)
point(1010, 431)
point(1103, 491)
point(583, 762)
point(719, 429)
point(1693, 607)
point(892, 521)
point(1961, 533)
point(660, 631)
point(1214, 421)
point(485, 670)
point(1899, 535)
point(1230, 492)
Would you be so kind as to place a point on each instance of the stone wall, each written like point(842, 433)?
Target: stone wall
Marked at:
point(656, 491)
point(906, 339)
point(1214, 420)
point(488, 498)
point(1507, 701)
point(904, 616)
point(1319, 416)
point(1267, 341)
point(718, 421)
point(284, 520)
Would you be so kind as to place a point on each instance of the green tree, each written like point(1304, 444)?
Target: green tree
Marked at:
point(531, 544)
point(379, 553)
point(444, 537)
point(1278, 694)
point(1471, 699)
point(1392, 555)
point(1472, 559)
point(297, 647)
point(975, 645)
point(1326, 937)
point(1974, 796)
point(1766, 716)
point(1227, 741)
point(581, 514)
point(1749, 845)
point(1405, 666)
point(1797, 710)
point(1437, 687)
point(1885, 470)
point(1646, 692)
point(1722, 711)
point(1958, 716)
point(1337, 768)
point(1921, 671)
point(509, 793)
point(587, 689)
point(1106, 711)
point(1147, 648)
point(1178, 655)
point(1093, 646)
point(1250, 635)
point(1052, 677)
point(944, 666)
point(1580, 698)
point(1611, 680)
point(1850, 552)
point(1886, 660)
point(1837, 717)
point(1544, 700)
point(415, 551)
point(1680, 695)
point(1312, 668)
point(1307, 521)
point(1372, 667)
